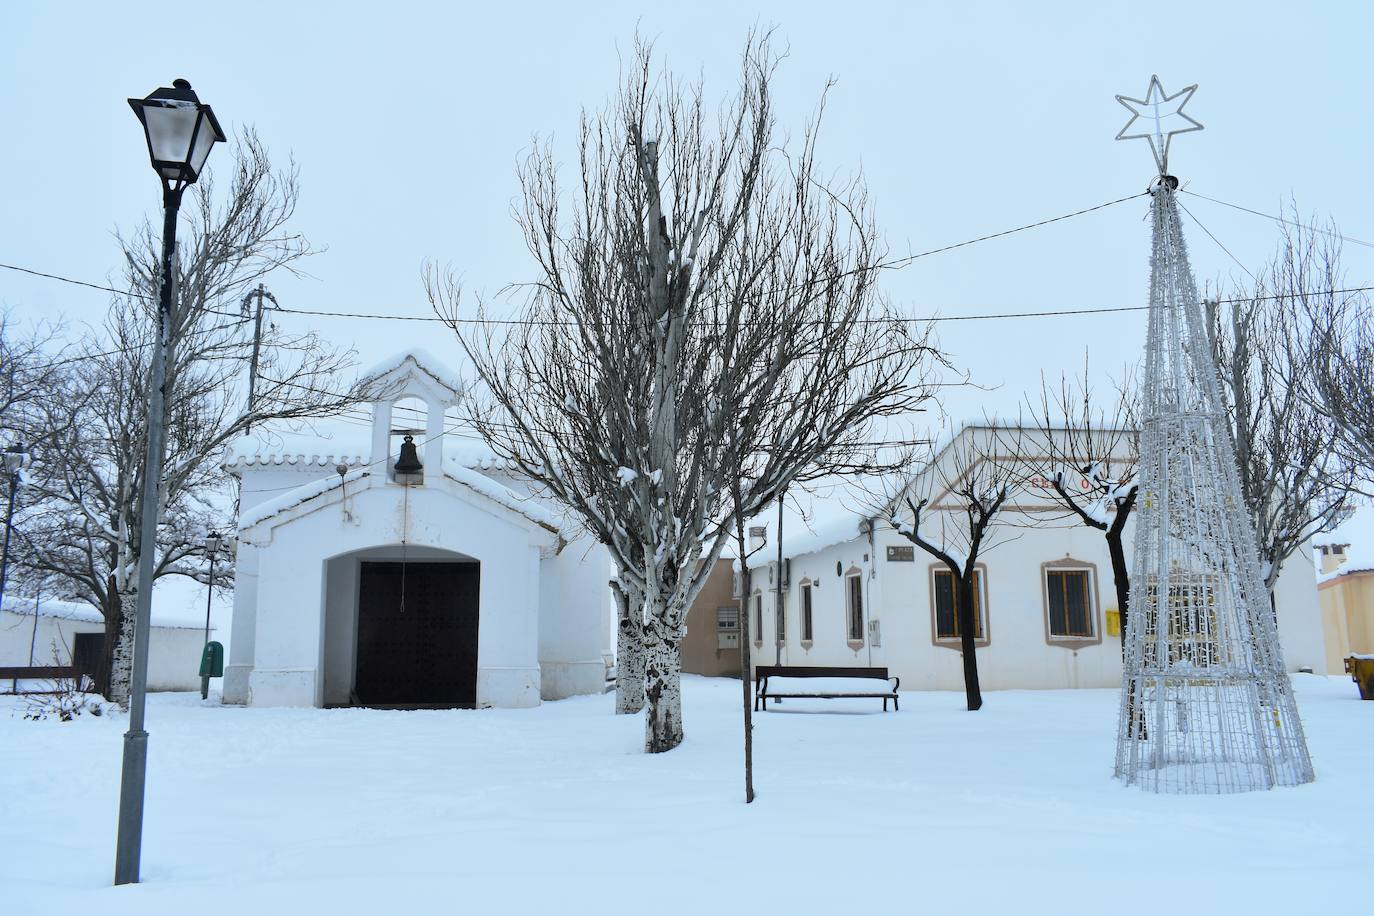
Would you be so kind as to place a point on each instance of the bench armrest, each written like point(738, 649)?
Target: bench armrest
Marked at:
point(896, 682)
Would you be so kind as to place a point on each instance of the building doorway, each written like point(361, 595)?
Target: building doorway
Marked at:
point(417, 634)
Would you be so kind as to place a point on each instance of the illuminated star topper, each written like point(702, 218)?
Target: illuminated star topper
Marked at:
point(1159, 117)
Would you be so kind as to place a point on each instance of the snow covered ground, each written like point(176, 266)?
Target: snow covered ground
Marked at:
point(932, 810)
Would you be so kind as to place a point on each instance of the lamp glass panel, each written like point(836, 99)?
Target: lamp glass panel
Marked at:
point(204, 140)
point(169, 130)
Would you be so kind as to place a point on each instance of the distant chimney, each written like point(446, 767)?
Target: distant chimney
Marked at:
point(758, 536)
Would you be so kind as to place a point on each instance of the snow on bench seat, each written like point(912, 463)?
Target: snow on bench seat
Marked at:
point(787, 682)
point(818, 686)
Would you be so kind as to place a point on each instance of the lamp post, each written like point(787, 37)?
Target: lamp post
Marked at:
point(211, 544)
point(15, 458)
point(180, 132)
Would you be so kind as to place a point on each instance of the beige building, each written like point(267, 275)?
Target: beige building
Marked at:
point(1345, 591)
point(711, 646)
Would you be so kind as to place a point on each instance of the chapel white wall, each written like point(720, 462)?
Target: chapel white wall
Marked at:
point(575, 605)
point(291, 611)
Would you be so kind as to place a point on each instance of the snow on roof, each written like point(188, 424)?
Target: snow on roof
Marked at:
point(525, 505)
point(327, 443)
point(424, 360)
point(297, 496)
point(454, 468)
point(84, 613)
point(823, 514)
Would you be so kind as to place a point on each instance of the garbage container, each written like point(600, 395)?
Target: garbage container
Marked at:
point(1361, 671)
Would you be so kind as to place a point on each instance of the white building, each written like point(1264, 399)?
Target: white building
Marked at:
point(453, 586)
point(31, 632)
point(1046, 598)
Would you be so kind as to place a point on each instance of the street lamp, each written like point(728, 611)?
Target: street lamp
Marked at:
point(211, 543)
point(15, 459)
point(180, 132)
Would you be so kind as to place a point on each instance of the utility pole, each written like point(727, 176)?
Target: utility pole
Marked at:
point(779, 618)
point(260, 293)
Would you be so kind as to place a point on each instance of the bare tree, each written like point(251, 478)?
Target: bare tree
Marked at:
point(88, 486)
point(707, 315)
point(1339, 351)
point(1090, 460)
point(1294, 478)
point(950, 510)
point(30, 365)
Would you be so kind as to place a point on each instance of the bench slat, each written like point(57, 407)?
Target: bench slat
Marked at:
point(37, 673)
point(764, 690)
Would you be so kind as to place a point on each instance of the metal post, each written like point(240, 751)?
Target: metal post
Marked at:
point(129, 847)
point(9, 519)
point(209, 596)
point(779, 611)
point(260, 293)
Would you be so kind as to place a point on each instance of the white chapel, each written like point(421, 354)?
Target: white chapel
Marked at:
point(445, 581)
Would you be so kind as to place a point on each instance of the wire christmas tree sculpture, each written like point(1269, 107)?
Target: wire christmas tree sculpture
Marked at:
point(1206, 705)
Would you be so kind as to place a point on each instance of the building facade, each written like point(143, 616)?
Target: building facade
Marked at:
point(858, 593)
point(1345, 590)
point(363, 579)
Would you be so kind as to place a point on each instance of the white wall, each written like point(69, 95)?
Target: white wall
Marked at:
point(293, 549)
point(173, 654)
point(575, 609)
point(1018, 655)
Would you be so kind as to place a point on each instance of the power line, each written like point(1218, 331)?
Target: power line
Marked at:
point(893, 320)
point(894, 264)
point(1280, 219)
point(1216, 240)
point(902, 262)
point(61, 279)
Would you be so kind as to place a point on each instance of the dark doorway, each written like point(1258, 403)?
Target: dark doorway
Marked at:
point(87, 650)
point(420, 651)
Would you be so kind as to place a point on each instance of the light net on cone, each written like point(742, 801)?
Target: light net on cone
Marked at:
point(1206, 705)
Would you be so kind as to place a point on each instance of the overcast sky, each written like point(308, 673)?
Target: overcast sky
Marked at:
point(408, 121)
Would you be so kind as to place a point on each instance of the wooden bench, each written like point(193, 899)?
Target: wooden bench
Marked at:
point(38, 673)
point(762, 692)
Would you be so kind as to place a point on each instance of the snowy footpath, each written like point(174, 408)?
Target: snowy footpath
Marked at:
point(931, 810)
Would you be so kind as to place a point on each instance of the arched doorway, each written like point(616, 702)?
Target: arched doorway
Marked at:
point(402, 628)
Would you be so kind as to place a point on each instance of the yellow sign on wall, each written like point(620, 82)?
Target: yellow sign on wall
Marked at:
point(1113, 622)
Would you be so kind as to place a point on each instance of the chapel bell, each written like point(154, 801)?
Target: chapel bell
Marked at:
point(408, 466)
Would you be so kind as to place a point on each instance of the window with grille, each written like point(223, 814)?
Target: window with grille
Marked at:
point(854, 601)
point(1192, 624)
point(947, 610)
point(806, 613)
point(1069, 602)
point(780, 620)
point(727, 618)
point(758, 618)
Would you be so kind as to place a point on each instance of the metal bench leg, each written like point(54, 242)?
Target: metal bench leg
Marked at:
point(895, 707)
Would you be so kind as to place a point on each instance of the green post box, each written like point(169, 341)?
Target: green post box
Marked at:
point(211, 665)
point(212, 660)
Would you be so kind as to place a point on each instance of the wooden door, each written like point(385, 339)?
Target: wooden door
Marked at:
point(420, 651)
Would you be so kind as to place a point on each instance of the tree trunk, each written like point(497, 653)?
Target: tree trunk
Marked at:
point(967, 636)
point(122, 654)
point(745, 674)
point(663, 690)
point(113, 618)
point(629, 652)
point(1121, 579)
